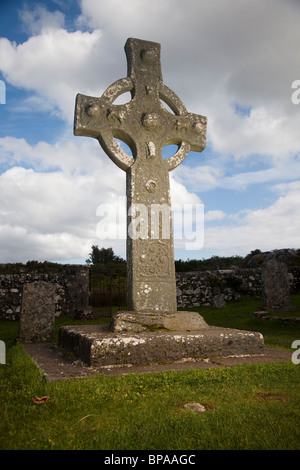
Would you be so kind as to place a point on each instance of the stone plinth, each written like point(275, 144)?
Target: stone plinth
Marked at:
point(137, 322)
point(98, 346)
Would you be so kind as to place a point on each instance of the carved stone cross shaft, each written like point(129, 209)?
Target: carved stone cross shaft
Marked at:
point(146, 126)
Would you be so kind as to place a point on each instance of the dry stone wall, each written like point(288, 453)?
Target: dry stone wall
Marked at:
point(205, 288)
point(194, 289)
point(71, 287)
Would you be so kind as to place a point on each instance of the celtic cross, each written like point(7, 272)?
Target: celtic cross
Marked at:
point(146, 126)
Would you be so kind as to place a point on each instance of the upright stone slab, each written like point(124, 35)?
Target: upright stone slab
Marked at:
point(37, 317)
point(77, 291)
point(275, 286)
point(146, 126)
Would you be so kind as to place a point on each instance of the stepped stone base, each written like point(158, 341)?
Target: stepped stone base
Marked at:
point(98, 346)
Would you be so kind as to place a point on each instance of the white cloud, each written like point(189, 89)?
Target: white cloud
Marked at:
point(200, 178)
point(54, 64)
point(76, 156)
point(277, 226)
point(56, 214)
point(19, 244)
point(268, 130)
point(215, 54)
point(53, 214)
point(228, 54)
point(181, 195)
point(40, 19)
point(281, 171)
point(214, 215)
point(208, 177)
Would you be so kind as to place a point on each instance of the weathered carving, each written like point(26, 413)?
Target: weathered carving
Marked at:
point(154, 261)
point(150, 186)
point(146, 126)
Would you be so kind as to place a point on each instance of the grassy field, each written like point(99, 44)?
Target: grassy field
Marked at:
point(239, 314)
point(248, 406)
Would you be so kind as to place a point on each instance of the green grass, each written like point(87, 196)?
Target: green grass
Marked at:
point(239, 314)
point(248, 406)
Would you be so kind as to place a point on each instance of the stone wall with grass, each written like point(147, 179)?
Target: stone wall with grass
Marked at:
point(194, 289)
point(205, 288)
point(71, 290)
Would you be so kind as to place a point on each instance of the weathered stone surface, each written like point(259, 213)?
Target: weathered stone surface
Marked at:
point(283, 255)
point(146, 126)
point(37, 318)
point(56, 365)
point(138, 322)
point(193, 288)
point(71, 287)
point(99, 347)
point(275, 286)
point(218, 301)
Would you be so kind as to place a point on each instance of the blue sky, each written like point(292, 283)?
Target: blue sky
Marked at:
point(233, 62)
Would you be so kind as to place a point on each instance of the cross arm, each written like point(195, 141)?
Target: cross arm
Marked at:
point(99, 118)
point(188, 131)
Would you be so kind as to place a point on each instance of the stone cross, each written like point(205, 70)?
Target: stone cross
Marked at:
point(146, 126)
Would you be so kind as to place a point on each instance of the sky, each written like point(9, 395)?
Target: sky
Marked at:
point(235, 61)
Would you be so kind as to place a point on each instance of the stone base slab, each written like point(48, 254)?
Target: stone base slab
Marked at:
point(98, 346)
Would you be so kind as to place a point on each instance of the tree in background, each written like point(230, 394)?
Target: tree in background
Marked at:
point(103, 256)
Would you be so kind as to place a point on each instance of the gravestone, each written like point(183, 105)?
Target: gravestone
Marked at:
point(77, 291)
point(218, 300)
point(152, 330)
point(275, 286)
point(37, 316)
